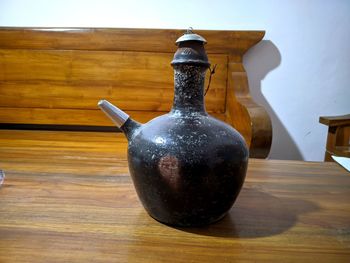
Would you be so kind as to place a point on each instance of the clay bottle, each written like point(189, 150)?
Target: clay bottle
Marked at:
point(187, 167)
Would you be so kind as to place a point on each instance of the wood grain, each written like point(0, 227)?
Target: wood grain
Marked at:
point(140, 81)
point(249, 118)
point(68, 197)
point(74, 116)
point(335, 120)
point(55, 76)
point(123, 39)
point(338, 137)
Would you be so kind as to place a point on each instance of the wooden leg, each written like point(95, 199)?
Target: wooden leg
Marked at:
point(332, 131)
point(328, 157)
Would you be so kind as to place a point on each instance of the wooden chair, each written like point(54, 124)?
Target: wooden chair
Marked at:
point(338, 139)
point(52, 78)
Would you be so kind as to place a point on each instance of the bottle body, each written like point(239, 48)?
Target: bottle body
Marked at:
point(187, 170)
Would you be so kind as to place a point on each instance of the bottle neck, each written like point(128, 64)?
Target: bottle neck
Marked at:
point(189, 89)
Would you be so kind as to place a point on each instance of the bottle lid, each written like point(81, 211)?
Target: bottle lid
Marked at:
point(191, 50)
point(190, 36)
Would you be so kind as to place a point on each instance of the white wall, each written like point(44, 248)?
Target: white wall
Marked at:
point(299, 72)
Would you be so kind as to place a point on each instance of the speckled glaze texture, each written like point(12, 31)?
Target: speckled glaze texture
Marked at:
point(187, 167)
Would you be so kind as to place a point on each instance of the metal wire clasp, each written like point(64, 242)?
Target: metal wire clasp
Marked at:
point(212, 72)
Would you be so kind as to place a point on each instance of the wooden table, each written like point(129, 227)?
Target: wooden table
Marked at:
point(67, 197)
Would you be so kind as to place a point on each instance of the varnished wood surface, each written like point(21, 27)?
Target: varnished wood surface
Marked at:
point(67, 197)
point(338, 137)
point(123, 39)
point(74, 116)
point(241, 107)
point(56, 76)
point(142, 81)
point(335, 120)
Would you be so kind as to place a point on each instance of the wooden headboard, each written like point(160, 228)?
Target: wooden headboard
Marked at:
point(55, 76)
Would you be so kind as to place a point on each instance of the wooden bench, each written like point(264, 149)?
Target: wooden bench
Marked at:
point(52, 78)
point(338, 138)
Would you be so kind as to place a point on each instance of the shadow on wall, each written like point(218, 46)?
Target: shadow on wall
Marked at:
point(258, 62)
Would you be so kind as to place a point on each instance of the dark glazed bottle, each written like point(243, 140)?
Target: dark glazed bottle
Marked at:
point(187, 167)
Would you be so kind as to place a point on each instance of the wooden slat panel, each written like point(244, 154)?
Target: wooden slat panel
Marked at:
point(78, 79)
point(124, 39)
point(73, 116)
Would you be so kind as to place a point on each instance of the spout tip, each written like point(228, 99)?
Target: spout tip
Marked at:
point(101, 102)
point(118, 116)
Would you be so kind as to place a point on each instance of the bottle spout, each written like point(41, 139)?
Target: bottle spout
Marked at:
point(120, 118)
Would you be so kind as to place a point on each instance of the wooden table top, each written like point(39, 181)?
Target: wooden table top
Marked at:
point(67, 197)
